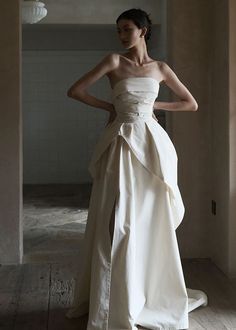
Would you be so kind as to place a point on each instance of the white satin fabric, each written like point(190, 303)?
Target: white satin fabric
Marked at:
point(138, 280)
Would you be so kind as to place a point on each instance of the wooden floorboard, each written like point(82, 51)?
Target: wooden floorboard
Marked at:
point(62, 286)
point(32, 311)
point(221, 310)
point(10, 287)
point(37, 296)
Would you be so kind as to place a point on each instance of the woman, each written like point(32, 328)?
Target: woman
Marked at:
point(131, 274)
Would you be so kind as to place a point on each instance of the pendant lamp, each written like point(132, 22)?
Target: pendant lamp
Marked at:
point(32, 11)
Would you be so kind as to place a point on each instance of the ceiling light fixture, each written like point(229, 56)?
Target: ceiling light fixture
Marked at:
point(32, 11)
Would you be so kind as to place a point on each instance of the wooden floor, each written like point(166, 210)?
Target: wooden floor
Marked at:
point(36, 296)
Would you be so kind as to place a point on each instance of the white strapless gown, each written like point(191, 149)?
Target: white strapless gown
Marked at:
point(138, 280)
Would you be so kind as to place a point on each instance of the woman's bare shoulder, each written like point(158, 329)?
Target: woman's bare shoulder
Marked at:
point(117, 57)
point(162, 65)
point(164, 70)
point(112, 58)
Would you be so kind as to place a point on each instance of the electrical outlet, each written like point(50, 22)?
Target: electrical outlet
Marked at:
point(213, 207)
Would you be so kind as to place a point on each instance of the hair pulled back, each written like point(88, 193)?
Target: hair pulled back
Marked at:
point(140, 18)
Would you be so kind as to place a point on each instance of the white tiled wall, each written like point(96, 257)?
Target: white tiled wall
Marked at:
point(59, 133)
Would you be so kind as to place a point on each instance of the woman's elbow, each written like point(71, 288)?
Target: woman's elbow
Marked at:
point(75, 93)
point(70, 93)
point(193, 106)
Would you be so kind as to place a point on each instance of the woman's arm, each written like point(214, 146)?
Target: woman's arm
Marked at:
point(78, 90)
point(187, 101)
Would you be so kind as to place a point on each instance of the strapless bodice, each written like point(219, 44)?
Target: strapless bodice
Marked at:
point(136, 124)
point(134, 97)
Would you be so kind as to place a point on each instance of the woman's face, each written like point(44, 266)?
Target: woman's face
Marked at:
point(129, 33)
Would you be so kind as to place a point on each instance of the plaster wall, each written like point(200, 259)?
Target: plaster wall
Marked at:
point(189, 55)
point(11, 245)
point(232, 138)
point(219, 170)
point(202, 51)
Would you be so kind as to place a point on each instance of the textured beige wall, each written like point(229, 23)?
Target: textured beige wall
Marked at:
point(232, 137)
point(219, 230)
point(11, 135)
point(202, 51)
point(189, 45)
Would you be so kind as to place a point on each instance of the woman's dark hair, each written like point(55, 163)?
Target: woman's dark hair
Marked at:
point(140, 18)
